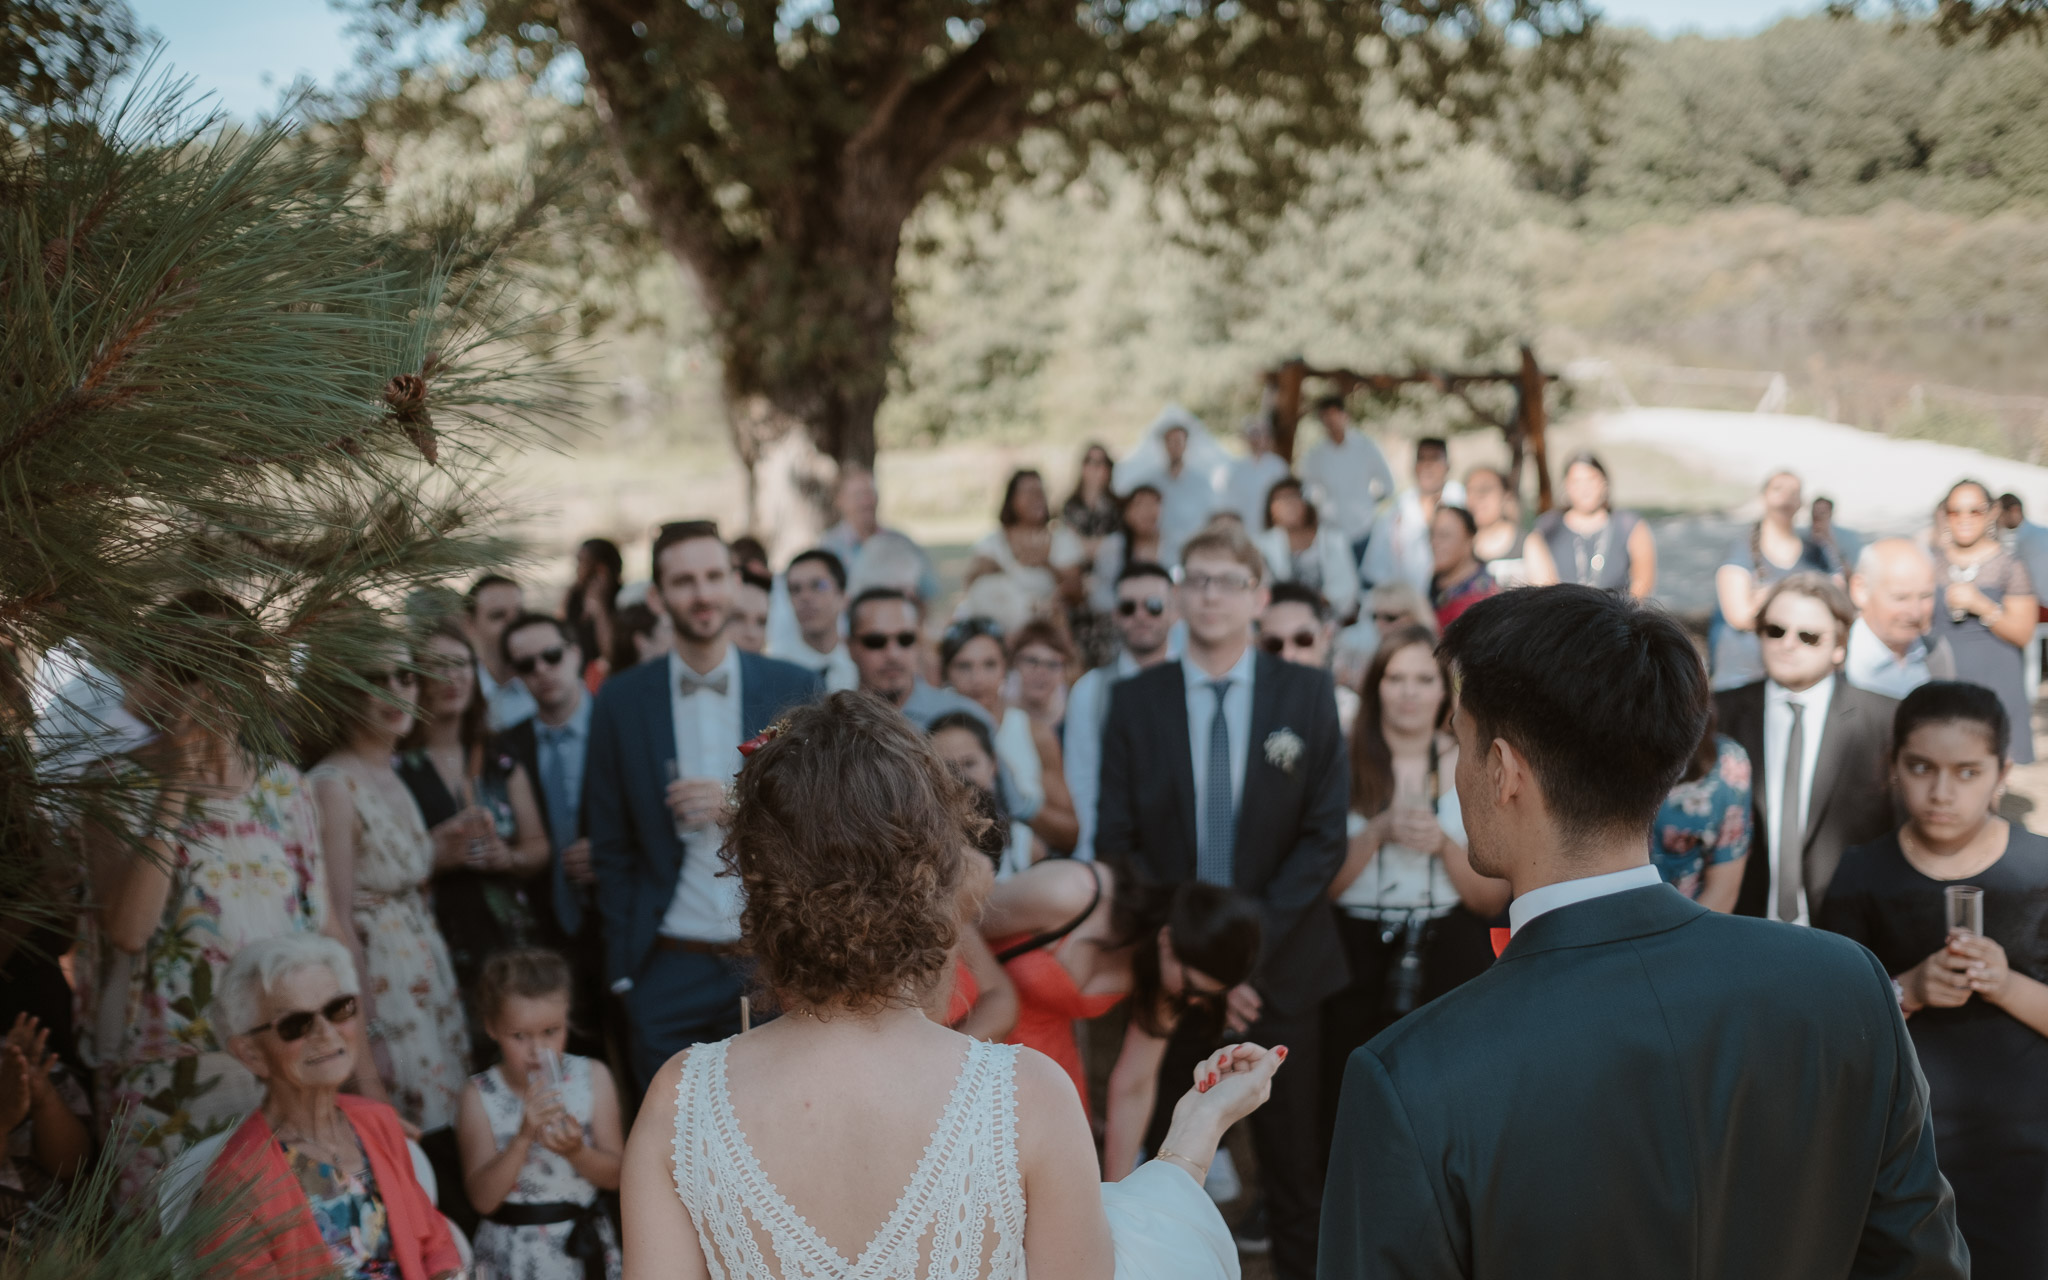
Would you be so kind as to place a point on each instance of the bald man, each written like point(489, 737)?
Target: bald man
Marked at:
point(1893, 588)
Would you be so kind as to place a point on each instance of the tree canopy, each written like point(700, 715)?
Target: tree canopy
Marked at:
point(778, 151)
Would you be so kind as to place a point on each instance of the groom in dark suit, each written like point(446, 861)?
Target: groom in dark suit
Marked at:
point(664, 743)
point(1639, 1087)
point(1228, 767)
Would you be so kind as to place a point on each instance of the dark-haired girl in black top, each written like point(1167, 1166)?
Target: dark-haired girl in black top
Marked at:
point(1977, 1007)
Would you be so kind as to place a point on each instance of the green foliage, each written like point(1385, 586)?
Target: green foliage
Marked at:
point(778, 151)
point(221, 374)
point(54, 51)
point(1827, 115)
point(1091, 307)
point(86, 1233)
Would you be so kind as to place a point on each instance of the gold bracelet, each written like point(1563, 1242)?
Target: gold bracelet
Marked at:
point(1200, 1172)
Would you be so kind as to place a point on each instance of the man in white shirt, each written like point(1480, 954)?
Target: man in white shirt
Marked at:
point(1399, 549)
point(1479, 1139)
point(1187, 497)
point(1243, 483)
point(1346, 474)
point(493, 602)
point(1146, 611)
point(664, 745)
point(816, 582)
point(1819, 751)
point(1256, 804)
point(1893, 589)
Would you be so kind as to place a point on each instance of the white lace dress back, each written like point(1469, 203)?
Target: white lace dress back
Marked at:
point(960, 1218)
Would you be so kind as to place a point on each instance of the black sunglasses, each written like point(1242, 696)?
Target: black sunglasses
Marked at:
point(294, 1026)
point(1153, 606)
point(525, 666)
point(1811, 639)
point(880, 640)
point(399, 677)
point(1279, 643)
point(1387, 619)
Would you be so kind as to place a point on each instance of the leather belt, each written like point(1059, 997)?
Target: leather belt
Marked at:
point(663, 942)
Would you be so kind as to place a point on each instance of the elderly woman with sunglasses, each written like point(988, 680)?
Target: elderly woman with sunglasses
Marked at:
point(325, 1178)
point(379, 860)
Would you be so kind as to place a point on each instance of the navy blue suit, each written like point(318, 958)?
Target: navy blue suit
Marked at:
point(676, 998)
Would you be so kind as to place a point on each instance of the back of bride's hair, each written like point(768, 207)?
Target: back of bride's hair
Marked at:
point(847, 834)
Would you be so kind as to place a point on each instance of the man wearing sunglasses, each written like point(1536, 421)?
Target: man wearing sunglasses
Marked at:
point(664, 745)
point(1145, 615)
point(554, 745)
point(1299, 626)
point(1821, 750)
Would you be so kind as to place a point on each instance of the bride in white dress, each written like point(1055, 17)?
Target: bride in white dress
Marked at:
point(852, 1139)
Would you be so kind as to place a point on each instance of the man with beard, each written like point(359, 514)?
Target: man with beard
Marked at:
point(664, 744)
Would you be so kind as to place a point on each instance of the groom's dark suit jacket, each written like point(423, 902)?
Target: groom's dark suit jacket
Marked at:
point(1290, 821)
point(1641, 1089)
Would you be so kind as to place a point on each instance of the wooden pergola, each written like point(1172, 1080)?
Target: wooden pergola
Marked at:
point(1523, 428)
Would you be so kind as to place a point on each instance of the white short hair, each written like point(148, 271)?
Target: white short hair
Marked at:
point(259, 967)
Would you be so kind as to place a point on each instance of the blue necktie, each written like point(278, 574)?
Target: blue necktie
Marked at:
point(1219, 813)
point(562, 806)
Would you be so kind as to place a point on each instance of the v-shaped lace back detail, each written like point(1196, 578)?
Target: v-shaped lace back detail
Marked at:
point(966, 1197)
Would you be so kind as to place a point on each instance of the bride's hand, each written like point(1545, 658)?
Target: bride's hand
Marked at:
point(1230, 1084)
point(1240, 1076)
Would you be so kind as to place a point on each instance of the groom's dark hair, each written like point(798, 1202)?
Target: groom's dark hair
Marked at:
point(1605, 697)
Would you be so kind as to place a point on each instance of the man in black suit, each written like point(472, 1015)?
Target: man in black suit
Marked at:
point(664, 744)
point(554, 744)
point(1819, 751)
point(1227, 767)
point(1640, 1087)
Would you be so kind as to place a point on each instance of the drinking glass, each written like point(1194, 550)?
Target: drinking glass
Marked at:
point(1965, 909)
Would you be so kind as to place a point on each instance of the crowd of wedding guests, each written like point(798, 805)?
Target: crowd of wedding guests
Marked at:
point(1201, 704)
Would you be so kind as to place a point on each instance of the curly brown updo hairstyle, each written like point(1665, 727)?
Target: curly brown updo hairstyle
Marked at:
point(847, 835)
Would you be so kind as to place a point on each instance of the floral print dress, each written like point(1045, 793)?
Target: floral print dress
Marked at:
point(416, 1032)
point(244, 868)
point(1704, 822)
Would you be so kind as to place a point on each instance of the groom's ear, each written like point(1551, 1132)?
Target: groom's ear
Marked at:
point(1508, 771)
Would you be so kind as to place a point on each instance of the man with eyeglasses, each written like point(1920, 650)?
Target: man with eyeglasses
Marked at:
point(1145, 614)
point(664, 745)
point(816, 583)
point(1821, 748)
point(1299, 626)
point(1255, 800)
point(493, 601)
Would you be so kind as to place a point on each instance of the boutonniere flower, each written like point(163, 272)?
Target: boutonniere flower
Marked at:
point(1284, 748)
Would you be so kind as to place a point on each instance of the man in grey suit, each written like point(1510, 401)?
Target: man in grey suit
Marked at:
point(1639, 1087)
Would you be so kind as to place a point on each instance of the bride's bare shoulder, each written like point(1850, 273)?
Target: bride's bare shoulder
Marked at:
point(1045, 1093)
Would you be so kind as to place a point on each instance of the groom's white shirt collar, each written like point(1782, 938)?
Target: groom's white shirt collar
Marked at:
point(1565, 892)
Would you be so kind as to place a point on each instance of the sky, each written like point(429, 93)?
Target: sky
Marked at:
point(249, 51)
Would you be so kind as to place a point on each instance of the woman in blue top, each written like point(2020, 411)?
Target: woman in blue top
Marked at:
point(1701, 837)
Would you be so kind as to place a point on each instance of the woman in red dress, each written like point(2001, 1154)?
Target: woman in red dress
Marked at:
point(1077, 937)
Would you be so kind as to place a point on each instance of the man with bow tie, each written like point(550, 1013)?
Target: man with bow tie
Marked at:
point(664, 744)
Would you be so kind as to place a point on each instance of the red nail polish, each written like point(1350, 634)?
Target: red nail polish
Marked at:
point(1281, 1051)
